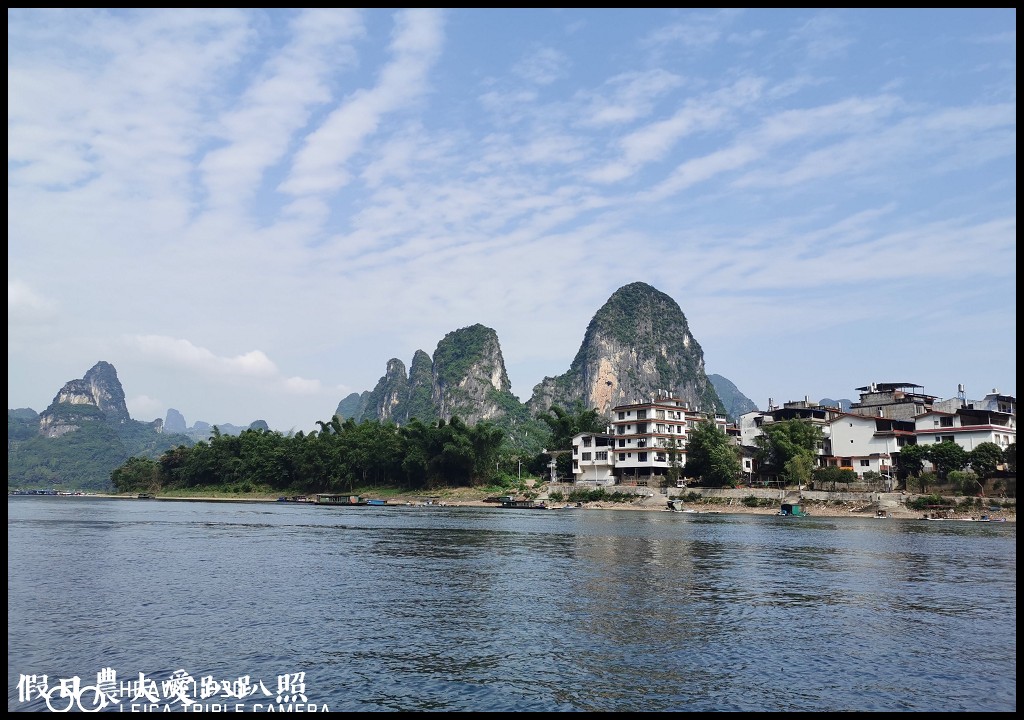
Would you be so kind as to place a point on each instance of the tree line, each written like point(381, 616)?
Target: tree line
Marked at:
point(339, 457)
point(345, 455)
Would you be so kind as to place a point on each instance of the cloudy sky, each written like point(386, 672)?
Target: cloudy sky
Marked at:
point(249, 212)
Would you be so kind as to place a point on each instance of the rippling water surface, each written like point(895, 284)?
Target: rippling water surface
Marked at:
point(488, 609)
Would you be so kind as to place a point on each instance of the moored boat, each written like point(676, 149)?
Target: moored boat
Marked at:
point(522, 504)
point(335, 499)
point(792, 510)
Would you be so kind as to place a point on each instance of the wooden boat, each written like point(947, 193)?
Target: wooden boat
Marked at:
point(882, 515)
point(376, 502)
point(522, 504)
point(335, 499)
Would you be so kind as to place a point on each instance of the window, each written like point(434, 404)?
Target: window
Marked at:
point(641, 414)
point(863, 463)
point(602, 455)
point(622, 443)
point(622, 457)
point(661, 427)
point(622, 416)
point(586, 456)
point(642, 457)
point(946, 422)
point(586, 442)
point(659, 457)
point(575, 449)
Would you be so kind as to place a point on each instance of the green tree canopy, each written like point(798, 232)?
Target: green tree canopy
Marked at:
point(781, 441)
point(947, 456)
point(711, 456)
point(985, 458)
point(565, 424)
point(911, 461)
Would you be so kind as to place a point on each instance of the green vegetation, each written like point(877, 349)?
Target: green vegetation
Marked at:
point(601, 495)
point(964, 470)
point(788, 449)
point(82, 459)
point(711, 456)
point(341, 457)
point(923, 502)
point(563, 425)
point(831, 476)
point(458, 350)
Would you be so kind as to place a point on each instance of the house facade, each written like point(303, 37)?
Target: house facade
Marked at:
point(890, 416)
point(866, 444)
point(646, 441)
point(967, 427)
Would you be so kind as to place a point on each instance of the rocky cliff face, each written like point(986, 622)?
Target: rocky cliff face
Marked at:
point(353, 406)
point(174, 422)
point(637, 346)
point(421, 389)
point(469, 377)
point(97, 396)
point(388, 400)
point(465, 377)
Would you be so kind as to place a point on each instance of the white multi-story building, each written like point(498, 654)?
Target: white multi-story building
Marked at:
point(645, 441)
point(967, 427)
point(890, 416)
point(866, 444)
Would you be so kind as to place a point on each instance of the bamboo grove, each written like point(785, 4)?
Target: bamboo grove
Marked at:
point(341, 456)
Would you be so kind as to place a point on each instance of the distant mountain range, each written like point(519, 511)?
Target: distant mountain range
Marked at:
point(175, 423)
point(638, 346)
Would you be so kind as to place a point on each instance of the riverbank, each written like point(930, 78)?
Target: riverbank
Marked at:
point(472, 497)
point(659, 504)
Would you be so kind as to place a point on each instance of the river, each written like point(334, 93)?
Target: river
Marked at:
point(148, 604)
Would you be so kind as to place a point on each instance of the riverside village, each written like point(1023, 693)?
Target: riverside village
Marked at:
point(862, 445)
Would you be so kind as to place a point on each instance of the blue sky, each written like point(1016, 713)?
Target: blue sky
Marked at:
point(249, 212)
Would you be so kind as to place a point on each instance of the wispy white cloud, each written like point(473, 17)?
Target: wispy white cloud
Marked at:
point(180, 352)
point(303, 194)
point(320, 164)
point(261, 127)
point(543, 66)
